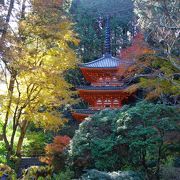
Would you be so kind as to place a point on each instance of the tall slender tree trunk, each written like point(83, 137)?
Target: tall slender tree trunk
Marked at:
point(157, 173)
point(11, 83)
point(23, 130)
point(11, 5)
point(10, 92)
point(12, 80)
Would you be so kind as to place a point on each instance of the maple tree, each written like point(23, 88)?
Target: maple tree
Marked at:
point(58, 146)
point(35, 59)
point(138, 48)
point(159, 20)
point(156, 74)
point(130, 56)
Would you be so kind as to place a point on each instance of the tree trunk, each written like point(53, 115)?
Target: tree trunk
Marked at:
point(157, 173)
point(11, 84)
point(11, 5)
point(144, 162)
point(10, 92)
point(23, 130)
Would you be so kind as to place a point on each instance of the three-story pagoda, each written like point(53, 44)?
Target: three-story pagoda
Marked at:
point(105, 89)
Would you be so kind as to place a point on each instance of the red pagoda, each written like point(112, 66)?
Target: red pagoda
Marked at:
point(105, 89)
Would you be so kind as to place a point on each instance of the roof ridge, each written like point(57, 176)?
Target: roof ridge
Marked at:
point(107, 60)
point(93, 61)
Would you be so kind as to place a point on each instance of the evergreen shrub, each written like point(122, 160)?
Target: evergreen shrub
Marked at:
point(137, 137)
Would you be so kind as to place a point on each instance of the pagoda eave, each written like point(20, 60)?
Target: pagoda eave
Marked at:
point(97, 68)
point(94, 74)
point(105, 89)
point(80, 117)
point(81, 114)
point(100, 91)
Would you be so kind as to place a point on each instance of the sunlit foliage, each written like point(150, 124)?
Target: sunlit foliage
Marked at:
point(35, 60)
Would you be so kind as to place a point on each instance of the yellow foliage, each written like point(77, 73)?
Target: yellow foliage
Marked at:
point(40, 60)
point(48, 120)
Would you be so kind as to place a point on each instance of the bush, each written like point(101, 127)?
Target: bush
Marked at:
point(35, 144)
point(55, 152)
point(35, 172)
point(130, 137)
point(64, 175)
point(6, 170)
point(94, 144)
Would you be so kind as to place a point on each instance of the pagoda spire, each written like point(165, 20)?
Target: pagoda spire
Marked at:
point(107, 37)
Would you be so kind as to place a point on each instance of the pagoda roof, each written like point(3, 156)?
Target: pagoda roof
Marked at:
point(111, 88)
point(85, 111)
point(107, 61)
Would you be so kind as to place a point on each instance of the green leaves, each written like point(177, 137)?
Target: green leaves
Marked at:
point(133, 136)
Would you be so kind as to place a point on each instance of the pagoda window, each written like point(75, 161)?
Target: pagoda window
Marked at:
point(114, 78)
point(107, 80)
point(101, 80)
point(99, 103)
point(107, 103)
point(116, 103)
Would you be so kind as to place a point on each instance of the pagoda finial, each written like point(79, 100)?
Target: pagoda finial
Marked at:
point(107, 36)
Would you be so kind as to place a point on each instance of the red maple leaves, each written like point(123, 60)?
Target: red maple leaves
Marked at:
point(58, 146)
point(138, 48)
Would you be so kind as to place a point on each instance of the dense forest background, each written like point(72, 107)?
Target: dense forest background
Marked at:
point(91, 29)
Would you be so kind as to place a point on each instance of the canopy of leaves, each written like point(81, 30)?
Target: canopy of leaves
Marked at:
point(58, 146)
point(34, 58)
point(112, 140)
point(38, 61)
point(160, 21)
point(158, 76)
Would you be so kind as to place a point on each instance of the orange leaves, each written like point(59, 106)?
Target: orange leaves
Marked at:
point(58, 146)
point(131, 56)
point(138, 48)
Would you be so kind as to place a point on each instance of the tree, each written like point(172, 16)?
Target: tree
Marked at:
point(144, 129)
point(136, 137)
point(159, 20)
point(155, 74)
point(34, 64)
point(55, 152)
point(137, 49)
point(94, 144)
point(90, 19)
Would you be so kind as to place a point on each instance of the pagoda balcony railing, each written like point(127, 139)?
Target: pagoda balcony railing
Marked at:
point(102, 107)
point(107, 84)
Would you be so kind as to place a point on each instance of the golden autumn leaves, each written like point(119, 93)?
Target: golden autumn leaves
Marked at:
point(38, 56)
